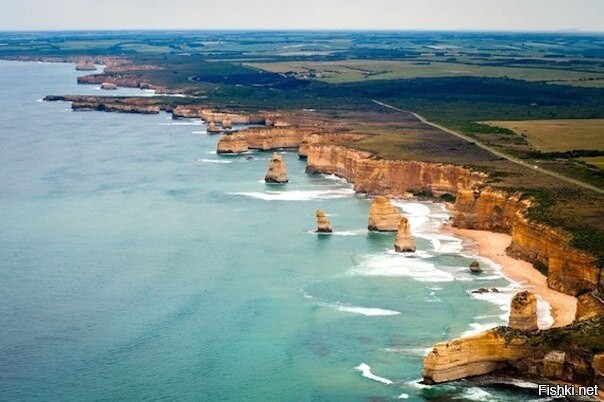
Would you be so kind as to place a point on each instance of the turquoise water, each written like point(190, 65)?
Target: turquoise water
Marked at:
point(136, 264)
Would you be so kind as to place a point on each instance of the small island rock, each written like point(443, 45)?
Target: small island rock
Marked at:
point(323, 224)
point(404, 241)
point(277, 171)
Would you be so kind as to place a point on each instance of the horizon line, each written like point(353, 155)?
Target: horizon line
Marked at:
point(444, 30)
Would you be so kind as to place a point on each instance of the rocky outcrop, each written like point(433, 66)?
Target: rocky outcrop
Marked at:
point(569, 270)
point(523, 312)
point(383, 216)
point(323, 224)
point(571, 354)
point(234, 143)
point(277, 171)
point(226, 124)
point(111, 104)
point(386, 177)
point(404, 241)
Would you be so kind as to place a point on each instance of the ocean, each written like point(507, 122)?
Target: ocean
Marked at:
point(136, 264)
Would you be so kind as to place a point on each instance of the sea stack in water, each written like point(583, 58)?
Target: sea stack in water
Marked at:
point(85, 65)
point(383, 216)
point(277, 172)
point(226, 124)
point(323, 224)
point(404, 241)
point(523, 313)
point(475, 267)
point(108, 86)
point(212, 128)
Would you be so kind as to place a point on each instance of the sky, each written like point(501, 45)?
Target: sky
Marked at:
point(500, 15)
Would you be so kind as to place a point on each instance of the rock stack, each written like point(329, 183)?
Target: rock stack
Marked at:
point(212, 128)
point(234, 143)
point(277, 171)
point(475, 267)
point(404, 241)
point(383, 216)
point(108, 86)
point(523, 313)
point(226, 124)
point(323, 224)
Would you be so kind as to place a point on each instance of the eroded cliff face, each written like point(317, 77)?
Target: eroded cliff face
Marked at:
point(386, 177)
point(383, 216)
point(111, 104)
point(570, 271)
point(523, 311)
point(471, 356)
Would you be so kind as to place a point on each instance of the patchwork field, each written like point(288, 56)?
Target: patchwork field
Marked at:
point(559, 135)
point(359, 70)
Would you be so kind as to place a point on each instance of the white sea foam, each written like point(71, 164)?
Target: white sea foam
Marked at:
point(477, 394)
point(365, 369)
point(334, 178)
point(409, 351)
point(366, 311)
point(298, 195)
point(355, 232)
point(403, 396)
point(199, 132)
point(202, 160)
point(544, 315)
point(399, 265)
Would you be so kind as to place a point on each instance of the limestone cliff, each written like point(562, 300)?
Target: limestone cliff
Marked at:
point(572, 354)
point(265, 138)
point(234, 143)
point(209, 115)
point(111, 104)
point(386, 177)
point(570, 270)
point(589, 305)
point(323, 224)
point(523, 312)
point(277, 171)
point(471, 356)
point(404, 240)
point(383, 216)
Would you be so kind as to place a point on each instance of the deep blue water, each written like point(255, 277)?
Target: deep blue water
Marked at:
point(136, 264)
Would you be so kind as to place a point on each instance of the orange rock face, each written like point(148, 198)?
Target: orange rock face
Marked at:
point(266, 138)
point(386, 177)
point(523, 313)
point(404, 241)
point(234, 143)
point(383, 216)
point(323, 224)
point(471, 356)
point(277, 171)
point(570, 271)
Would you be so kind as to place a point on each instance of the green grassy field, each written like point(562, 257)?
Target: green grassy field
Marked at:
point(560, 134)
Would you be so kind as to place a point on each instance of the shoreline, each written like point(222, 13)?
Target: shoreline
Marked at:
point(493, 246)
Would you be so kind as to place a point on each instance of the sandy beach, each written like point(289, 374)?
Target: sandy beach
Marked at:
point(492, 245)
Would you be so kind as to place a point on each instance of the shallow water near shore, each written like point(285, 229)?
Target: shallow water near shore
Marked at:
point(139, 265)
